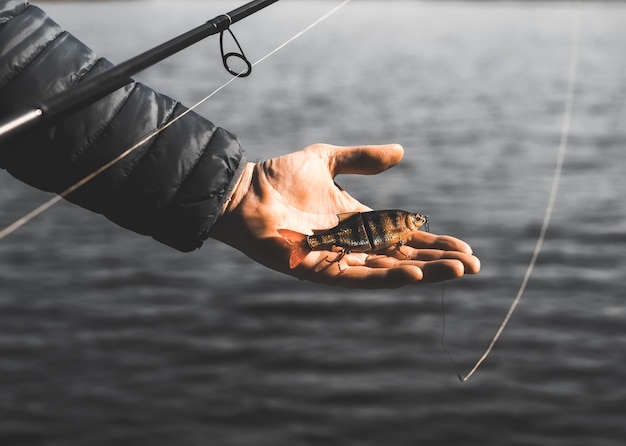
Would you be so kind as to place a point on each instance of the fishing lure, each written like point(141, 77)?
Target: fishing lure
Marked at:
point(372, 231)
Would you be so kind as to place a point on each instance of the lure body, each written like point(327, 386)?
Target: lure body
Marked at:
point(371, 231)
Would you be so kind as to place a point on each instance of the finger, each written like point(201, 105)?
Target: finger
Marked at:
point(364, 160)
point(441, 270)
point(428, 240)
point(471, 264)
point(370, 278)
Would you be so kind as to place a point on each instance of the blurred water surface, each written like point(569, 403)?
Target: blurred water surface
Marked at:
point(107, 337)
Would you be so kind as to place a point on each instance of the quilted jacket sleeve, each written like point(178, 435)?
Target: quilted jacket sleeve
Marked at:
point(171, 188)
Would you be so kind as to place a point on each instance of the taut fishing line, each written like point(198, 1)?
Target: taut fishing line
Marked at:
point(48, 204)
point(556, 179)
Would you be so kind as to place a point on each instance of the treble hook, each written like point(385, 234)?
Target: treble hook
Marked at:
point(240, 55)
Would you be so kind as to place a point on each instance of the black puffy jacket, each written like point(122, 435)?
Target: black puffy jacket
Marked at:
point(171, 188)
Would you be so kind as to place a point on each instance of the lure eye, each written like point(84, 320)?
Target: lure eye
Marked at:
point(417, 220)
point(414, 221)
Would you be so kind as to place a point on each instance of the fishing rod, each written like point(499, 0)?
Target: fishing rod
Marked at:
point(106, 82)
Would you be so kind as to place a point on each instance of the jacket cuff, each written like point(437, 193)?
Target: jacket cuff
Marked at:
point(230, 190)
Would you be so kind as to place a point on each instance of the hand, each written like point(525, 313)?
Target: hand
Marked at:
point(297, 192)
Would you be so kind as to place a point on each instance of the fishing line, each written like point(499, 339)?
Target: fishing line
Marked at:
point(558, 170)
point(47, 205)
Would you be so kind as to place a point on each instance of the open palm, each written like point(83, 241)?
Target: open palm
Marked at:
point(298, 192)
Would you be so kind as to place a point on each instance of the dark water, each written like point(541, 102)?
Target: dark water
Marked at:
point(109, 338)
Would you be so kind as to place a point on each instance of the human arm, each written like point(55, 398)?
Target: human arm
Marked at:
point(170, 188)
point(173, 187)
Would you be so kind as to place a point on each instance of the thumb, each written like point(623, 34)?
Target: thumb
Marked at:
point(364, 160)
